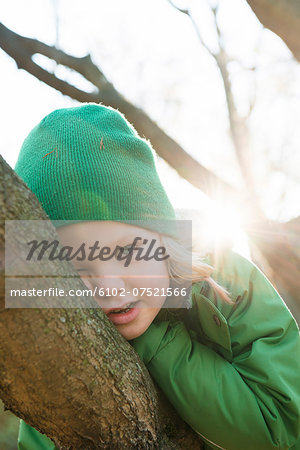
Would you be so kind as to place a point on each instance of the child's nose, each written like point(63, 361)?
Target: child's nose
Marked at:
point(108, 283)
point(111, 290)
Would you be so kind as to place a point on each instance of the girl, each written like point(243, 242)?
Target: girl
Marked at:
point(230, 363)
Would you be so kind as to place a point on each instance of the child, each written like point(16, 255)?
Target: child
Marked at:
point(230, 364)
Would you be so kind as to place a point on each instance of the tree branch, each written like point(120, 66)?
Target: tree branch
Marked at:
point(21, 49)
point(283, 18)
point(238, 124)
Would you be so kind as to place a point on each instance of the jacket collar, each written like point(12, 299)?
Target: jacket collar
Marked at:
point(210, 320)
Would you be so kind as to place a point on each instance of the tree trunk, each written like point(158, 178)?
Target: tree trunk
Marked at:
point(279, 245)
point(68, 372)
point(283, 18)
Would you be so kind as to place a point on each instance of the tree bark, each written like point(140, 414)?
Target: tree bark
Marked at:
point(283, 18)
point(68, 372)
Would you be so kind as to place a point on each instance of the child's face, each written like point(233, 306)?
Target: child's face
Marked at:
point(120, 284)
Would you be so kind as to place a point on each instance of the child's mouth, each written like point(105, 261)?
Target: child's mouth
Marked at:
point(124, 315)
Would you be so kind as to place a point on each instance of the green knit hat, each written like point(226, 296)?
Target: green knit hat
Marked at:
point(88, 163)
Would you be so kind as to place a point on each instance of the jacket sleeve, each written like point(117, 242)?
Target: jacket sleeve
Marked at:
point(252, 402)
point(31, 439)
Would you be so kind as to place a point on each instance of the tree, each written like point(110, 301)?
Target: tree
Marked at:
point(74, 359)
point(272, 246)
point(283, 18)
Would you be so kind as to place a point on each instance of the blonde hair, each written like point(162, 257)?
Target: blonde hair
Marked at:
point(179, 266)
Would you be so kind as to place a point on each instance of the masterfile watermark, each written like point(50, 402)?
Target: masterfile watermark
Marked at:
point(97, 265)
point(65, 253)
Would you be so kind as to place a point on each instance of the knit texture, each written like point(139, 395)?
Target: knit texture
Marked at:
point(88, 163)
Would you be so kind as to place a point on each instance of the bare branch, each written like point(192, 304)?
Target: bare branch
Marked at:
point(202, 41)
point(184, 11)
point(238, 124)
point(21, 49)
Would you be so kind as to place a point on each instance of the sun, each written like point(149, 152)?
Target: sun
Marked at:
point(221, 225)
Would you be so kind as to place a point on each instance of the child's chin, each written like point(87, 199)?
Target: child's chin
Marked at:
point(130, 332)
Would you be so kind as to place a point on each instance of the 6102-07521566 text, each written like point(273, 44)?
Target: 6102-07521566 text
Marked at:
point(99, 291)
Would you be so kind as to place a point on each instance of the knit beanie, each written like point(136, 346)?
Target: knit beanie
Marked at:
point(88, 163)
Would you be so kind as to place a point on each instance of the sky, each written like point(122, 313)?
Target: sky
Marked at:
point(151, 53)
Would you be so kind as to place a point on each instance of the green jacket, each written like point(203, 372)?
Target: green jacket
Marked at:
point(231, 371)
